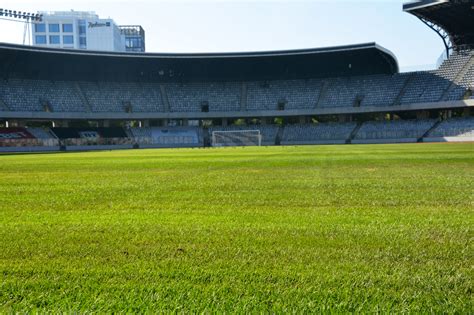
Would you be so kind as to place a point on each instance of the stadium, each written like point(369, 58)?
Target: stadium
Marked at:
point(347, 186)
point(64, 99)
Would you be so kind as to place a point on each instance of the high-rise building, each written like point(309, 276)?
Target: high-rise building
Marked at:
point(85, 30)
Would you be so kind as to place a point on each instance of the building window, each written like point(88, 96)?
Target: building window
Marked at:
point(82, 27)
point(68, 39)
point(133, 42)
point(40, 28)
point(82, 42)
point(67, 28)
point(40, 39)
point(54, 39)
point(53, 28)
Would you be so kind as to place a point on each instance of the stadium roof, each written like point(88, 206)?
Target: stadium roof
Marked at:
point(453, 20)
point(65, 64)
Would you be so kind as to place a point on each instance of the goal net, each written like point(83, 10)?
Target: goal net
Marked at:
point(236, 138)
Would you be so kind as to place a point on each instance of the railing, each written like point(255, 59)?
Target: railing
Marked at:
point(95, 141)
point(171, 140)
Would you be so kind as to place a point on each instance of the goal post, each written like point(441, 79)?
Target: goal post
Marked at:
point(236, 138)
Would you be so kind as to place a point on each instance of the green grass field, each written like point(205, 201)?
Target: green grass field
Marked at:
point(282, 229)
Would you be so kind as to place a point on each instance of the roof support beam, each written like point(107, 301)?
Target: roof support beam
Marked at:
point(448, 44)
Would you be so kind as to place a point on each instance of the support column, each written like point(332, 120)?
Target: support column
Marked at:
point(225, 122)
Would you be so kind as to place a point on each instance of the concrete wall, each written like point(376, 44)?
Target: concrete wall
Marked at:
point(28, 149)
point(239, 114)
point(99, 147)
point(313, 142)
point(380, 141)
point(448, 139)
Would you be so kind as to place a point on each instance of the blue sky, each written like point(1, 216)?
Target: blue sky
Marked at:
point(256, 25)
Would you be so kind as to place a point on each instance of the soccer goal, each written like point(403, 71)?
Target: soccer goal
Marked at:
point(236, 138)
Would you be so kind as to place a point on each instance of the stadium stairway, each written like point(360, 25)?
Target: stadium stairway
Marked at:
point(322, 93)
point(428, 132)
point(354, 133)
point(243, 97)
point(83, 97)
point(3, 106)
point(164, 98)
point(279, 135)
point(206, 137)
point(398, 99)
point(467, 66)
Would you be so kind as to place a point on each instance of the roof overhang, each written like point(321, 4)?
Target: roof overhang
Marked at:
point(453, 20)
point(422, 4)
point(66, 64)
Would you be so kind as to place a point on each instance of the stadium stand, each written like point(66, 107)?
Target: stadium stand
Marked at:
point(289, 94)
point(27, 139)
point(393, 131)
point(378, 90)
point(167, 136)
point(72, 133)
point(204, 97)
point(319, 133)
point(41, 133)
point(40, 95)
point(455, 127)
point(122, 97)
point(93, 138)
point(357, 91)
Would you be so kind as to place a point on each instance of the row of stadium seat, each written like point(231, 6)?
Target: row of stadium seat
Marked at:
point(459, 127)
point(450, 82)
point(399, 129)
point(307, 133)
point(169, 137)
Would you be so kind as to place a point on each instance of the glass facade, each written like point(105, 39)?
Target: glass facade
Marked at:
point(40, 28)
point(134, 36)
point(82, 43)
point(82, 27)
point(54, 39)
point(67, 28)
point(53, 28)
point(82, 34)
point(40, 39)
point(134, 44)
point(68, 40)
